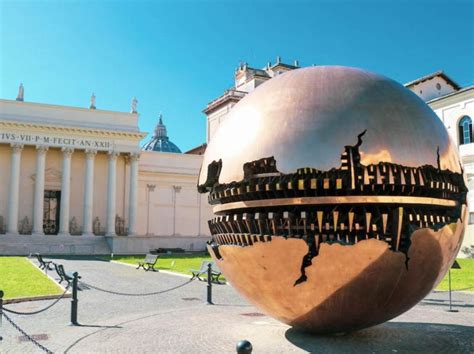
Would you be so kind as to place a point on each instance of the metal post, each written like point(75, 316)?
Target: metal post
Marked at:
point(449, 280)
point(450, 291)
point(74, 300)
point(1, 310)
point(244, 347)
point(209, 284)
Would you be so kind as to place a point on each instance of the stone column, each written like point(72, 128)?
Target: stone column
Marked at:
point(14, 189)
point(111, 193)
point(39, 190)
point(132, 201)
point(88, 194)
point(65, 192)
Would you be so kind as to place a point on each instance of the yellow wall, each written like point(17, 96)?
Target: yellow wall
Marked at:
point(53, 182)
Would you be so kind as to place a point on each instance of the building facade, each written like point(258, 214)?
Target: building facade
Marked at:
point(453, 104)
point(246, 80)
point(74, 180)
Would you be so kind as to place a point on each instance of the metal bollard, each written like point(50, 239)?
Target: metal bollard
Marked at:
point(209, 284)
point(74, 300)
point(450, 302)
point(1, 310)
point(244, 347)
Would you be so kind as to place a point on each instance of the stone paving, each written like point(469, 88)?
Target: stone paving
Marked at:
point(179, 321)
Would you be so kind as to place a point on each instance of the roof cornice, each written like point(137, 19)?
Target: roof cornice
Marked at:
point(439, 73)
point(67, 129)
point(438, 101)
point(229, 95)
point(72, 108)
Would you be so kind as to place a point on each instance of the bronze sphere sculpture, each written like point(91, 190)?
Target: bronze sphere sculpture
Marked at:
point(339, 198)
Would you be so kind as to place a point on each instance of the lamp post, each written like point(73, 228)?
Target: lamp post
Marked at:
point(150, 188)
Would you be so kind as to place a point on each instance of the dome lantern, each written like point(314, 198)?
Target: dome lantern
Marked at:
point(160, 141)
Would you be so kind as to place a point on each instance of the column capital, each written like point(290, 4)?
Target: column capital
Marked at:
point(113, 155)
point(90, 153)
point(16, 147)
point(134, 156)
point(67, 151)
point(42, 149)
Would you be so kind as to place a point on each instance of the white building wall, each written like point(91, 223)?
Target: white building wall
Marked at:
point(450, 110)
point(215, 118)
point(175, 207)
point(432, 88)
point(247, 79)
point(177, 214)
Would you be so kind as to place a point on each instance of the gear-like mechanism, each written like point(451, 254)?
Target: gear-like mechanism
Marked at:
point(345, 205)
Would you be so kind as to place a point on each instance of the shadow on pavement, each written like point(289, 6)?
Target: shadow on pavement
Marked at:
point(232, 305)
point(437, 303)
point(96, 326)
point(390, 337)
point(80, 258)
point(118, 325)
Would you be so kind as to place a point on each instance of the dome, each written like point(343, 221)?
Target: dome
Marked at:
point(306, 116)
point(160, 141)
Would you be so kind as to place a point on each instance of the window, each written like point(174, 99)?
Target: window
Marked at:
point(465, 130)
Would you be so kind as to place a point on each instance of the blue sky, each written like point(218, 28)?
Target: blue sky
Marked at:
point(176, 56)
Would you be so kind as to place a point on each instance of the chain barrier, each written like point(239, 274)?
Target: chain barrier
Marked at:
point(134, 294)
point(27, 336)
point(39, 311)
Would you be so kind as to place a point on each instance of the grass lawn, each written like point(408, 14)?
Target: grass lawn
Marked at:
point(460, 278)
point(20, 278)
point(180, 263)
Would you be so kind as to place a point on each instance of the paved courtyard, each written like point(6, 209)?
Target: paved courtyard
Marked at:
point(179, 321)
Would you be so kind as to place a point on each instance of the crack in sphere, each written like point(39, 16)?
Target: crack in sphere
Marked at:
point(343, 208)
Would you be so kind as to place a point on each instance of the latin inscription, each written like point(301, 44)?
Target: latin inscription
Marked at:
point(48, 140)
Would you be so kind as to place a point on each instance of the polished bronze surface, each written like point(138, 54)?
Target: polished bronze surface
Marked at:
point(348, 287)
point(302, 117)
point(354, 199)
point(339, 196)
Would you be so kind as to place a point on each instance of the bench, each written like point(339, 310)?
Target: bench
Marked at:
point(149, 262)
point(215, 272)
point(63, 276)
point(46, 265)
